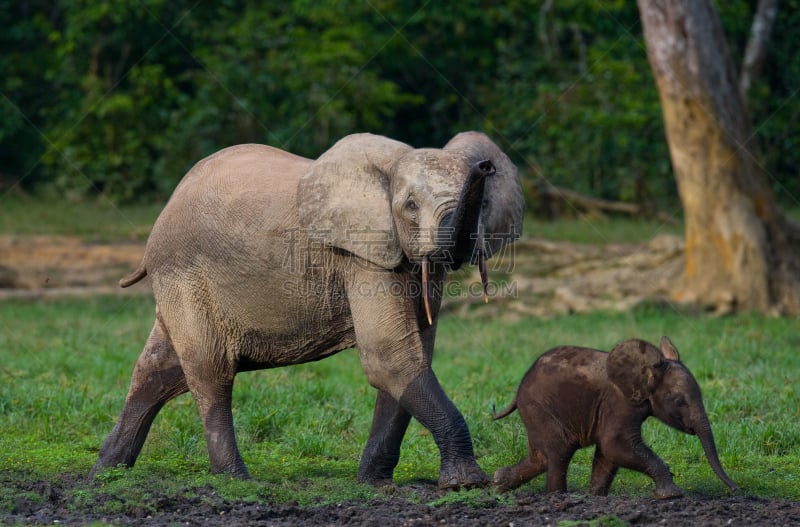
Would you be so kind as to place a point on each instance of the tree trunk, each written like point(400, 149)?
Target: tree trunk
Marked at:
point(741, 252)
point(756, 48)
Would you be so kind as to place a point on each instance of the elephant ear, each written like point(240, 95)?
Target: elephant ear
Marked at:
point(344, 198)
point(669, 350)
point(636, 367)
point(503, 202)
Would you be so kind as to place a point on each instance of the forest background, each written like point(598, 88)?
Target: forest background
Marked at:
point(120, 98)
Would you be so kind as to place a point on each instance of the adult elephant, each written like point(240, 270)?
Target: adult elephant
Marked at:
point(262, 259)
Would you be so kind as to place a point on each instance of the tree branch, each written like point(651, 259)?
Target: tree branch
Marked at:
point(756, 49)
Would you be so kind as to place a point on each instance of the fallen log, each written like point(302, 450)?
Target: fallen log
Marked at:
point(554, 200)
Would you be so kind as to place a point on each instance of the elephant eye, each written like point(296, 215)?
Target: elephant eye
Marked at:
point(411, 205)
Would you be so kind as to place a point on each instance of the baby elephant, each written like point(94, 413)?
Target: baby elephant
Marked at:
point(575, 397)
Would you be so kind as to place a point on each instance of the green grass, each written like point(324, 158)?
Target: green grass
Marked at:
point(97, 219)
point(66, 366)
point(599, 230)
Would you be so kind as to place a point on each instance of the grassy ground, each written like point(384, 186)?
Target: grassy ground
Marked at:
point(102, 220)
point(98, 220)
point(66, 366)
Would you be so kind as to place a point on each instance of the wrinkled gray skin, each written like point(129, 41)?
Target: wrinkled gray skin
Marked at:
point(576, 397)
point(263, 259)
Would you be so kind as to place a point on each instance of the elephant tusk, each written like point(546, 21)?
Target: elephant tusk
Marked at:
point(425, 298)
point(484, 277)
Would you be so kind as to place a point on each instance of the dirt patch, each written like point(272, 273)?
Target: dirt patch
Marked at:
point(537, 278)
point(541, 278)
point(53, 503)
point(41, 266)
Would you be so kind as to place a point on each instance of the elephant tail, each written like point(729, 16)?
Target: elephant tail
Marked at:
point(511, 407)
point(134, 277)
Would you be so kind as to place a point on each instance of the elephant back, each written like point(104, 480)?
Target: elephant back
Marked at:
point(224, 205)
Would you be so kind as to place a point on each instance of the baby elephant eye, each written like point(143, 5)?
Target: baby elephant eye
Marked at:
point(411, 205)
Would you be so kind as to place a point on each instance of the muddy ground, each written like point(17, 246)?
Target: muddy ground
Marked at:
point(409, 507)
point(549, 278)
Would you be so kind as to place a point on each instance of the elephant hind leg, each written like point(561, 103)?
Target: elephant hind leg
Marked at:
point(157, 378)
point(557, 466)
point(508, 478)
point(635, 455)
point(382, 452)
point(212, 389)
point(603, 473)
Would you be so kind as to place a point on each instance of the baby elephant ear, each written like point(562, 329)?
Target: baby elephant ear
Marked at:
point(669, 350)
point(635, 366)
point(344, 201)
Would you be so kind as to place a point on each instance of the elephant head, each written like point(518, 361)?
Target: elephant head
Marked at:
point(645, 373)
point(387, 203)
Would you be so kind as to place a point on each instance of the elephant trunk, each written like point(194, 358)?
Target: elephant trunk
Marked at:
point(461, 232)
point(459, 228)
point(706, 438)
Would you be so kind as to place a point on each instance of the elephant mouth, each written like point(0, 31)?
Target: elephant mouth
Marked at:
point(425, 264)
point(461, 236)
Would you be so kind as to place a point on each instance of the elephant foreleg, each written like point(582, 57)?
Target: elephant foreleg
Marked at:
point(380, 457)
point(426, 401)
point(157, 378)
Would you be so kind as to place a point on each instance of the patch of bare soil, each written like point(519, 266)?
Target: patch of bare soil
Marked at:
point(48, 266)
point(52, 503)
point(534, 278)
point(540, 278)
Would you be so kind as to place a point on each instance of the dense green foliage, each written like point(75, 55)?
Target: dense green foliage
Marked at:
point(67, 364)
point(121, 98)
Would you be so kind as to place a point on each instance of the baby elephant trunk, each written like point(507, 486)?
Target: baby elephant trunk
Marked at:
point(706, 437)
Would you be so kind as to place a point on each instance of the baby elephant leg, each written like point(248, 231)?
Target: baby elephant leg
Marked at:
point(557, 466)
point(603, 472)
point(638, 456)
point(508, 478)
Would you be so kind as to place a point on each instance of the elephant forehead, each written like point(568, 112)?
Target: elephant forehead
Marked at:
point(431, 167)
point(679, 379)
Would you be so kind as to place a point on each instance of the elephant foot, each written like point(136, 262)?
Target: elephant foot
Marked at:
point(465, 474)
point(666, 492)
point(377, 472)
point(385, 486)
point(101, 466)
point(503, 480)
point(378, 482)
point(237, 471)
